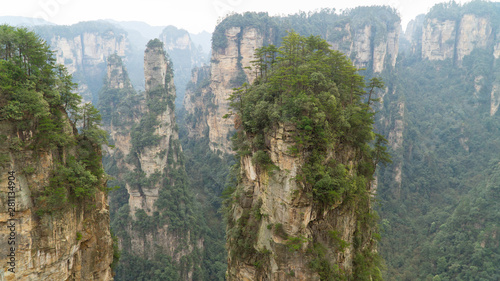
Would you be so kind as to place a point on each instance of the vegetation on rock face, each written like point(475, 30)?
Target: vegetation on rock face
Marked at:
point(440, 218)
point(438, 223)
point(36, 95)
point(316, 90)
point(176, 208)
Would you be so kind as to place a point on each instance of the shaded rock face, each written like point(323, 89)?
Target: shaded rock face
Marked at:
point(286, 224)
point(197, 102)
point(455, 39)
point(71, 244)
point(364, 49)
point(121, 108)
point(178, 41)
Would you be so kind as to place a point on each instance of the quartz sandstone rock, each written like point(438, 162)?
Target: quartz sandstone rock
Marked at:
point(285, 204)
point(71, 244)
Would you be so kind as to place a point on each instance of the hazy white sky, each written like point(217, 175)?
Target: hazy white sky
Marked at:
point(193, 15)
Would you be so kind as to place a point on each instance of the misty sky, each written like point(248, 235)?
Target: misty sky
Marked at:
point(193, 15)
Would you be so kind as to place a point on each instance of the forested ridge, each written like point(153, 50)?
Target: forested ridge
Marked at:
point(38, 97)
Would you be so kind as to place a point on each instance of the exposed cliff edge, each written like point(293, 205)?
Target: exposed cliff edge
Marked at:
point(300, 209)
point(54, 212)
point(369, 35)
point(153, 213)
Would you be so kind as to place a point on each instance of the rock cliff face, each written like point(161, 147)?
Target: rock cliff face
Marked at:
point(273, 214)
point(73, 243)
point(438, 39)
point(228, 70)
point(441, 38)
point(121, 107)
point(84, 48)
point(367, 47)
point(159, 89)
point(455, 38)
point(147, 161)
point(184, 55)
point(206, 100)
point(198, 102)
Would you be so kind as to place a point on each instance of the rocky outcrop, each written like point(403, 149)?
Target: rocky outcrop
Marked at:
point(83, 49)
point(372, 45)
point(438, 39)
point(366, 51)
point(88, 49)
point(121, 107)
point(275, 228)
point(455, 38)
point(197, 102)
point(474, 32)
point(177, 41)
point(206, 101)
point(147, 162)
point(161, 91)
point(229, 69)
point(73, 243)
point(184, 55)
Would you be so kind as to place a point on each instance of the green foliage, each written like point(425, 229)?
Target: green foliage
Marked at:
point(160, 267)
point(28, 170)
point(154, 43)
point(280, 231)
point(116, 251)
point(70, 182)
point(78, 236)
point(262, 159)
point(441, 214)
point(37, 96)
point(320, 264)
point(295, 243)
point(318, 90)
point(4, 159)
point(339, 243)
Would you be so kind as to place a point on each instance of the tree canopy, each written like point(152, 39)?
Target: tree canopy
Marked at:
point(37, 96)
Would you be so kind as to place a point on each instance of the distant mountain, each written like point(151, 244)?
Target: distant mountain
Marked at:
point(203, 39)
point(147, 32)
point(139, 32)
point(23, 21)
